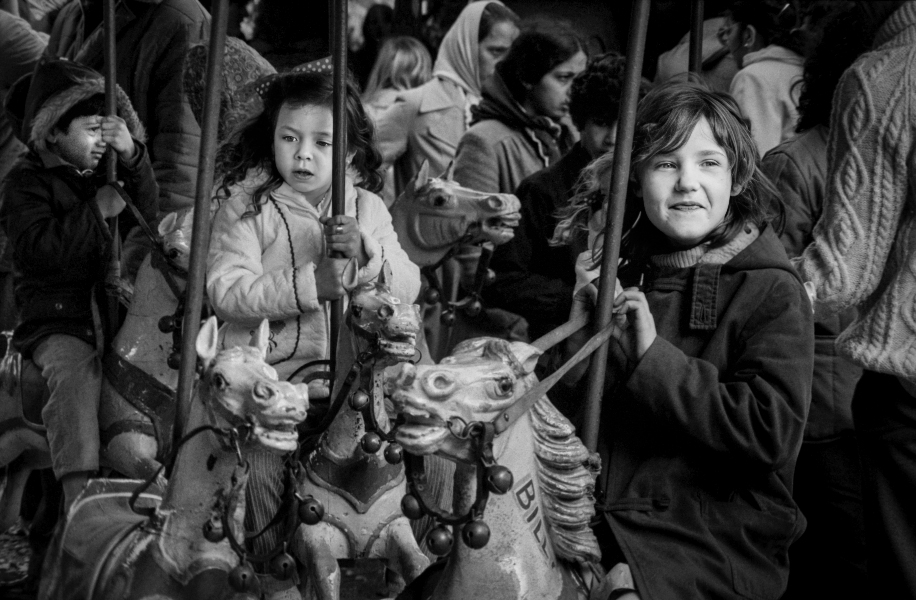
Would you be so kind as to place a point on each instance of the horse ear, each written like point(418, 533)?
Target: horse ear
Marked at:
point(168, 223)
point(526, 354)
point(422, 175)
point(260, 339)
point(449, 172)
point(349, 279)
point(207, 341)
point(384, 275)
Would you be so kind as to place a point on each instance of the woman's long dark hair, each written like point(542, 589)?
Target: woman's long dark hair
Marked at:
point(250, 147)
point(540, 47)
point(665, 120)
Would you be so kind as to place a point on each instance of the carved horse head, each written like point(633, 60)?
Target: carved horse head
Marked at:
point(481, 378)
point(433, 214)
point(239, 387)
point(175, 231)
point(376, 314)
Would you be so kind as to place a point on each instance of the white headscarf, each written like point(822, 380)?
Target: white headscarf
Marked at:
point(458, 60)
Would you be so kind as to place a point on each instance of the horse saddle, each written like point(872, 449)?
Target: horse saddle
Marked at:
point(24, 391)
point(97, 532)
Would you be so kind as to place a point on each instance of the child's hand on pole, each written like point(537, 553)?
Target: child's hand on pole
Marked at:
point(342, 235)
point(636, 326)
point(116, 135)
point(329, 276)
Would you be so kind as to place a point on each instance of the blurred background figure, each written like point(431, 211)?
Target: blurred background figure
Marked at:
point(426, 123)
point(758, 34)
point(403, 63)
point(377, 26)
point(829, 559)
point(719, 66)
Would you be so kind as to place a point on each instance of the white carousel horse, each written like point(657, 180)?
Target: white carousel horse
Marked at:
point(137, 367)
point(361, 491)
point(541, 546)
point(179, 547)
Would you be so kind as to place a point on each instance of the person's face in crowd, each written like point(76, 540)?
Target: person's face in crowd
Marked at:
point(738, 39)
point(550, 96)
point(302, 149)
point(686, 192)
point(81, 145)
point(598, 137)
point(494, 47)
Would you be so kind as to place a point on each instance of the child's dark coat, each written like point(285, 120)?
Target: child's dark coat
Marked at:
point(703, 434)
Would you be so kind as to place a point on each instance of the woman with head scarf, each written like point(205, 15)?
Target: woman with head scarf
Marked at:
point(427, 122)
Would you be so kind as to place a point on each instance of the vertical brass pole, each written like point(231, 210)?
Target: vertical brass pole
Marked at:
point(200, 241)
point(112, 295)
point(626, 122)
point(696, 36)
point(339, 143)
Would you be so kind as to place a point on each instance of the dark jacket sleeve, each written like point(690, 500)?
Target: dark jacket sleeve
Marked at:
point(71, 243)
point(797, 197)
point(174, 133)
point(521, 283)
point(755, 413)
point(140, 183)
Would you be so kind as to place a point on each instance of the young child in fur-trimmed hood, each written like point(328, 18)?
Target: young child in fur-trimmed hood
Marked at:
point(53, 207)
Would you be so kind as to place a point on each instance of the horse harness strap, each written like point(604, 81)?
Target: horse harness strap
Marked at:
point(135, 212)
point(145, 393)
point(511, 414)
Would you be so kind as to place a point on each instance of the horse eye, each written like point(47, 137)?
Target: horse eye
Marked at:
point(505, 385)
point(385, 311)
point(174, 253)
point(220, 382)
point(440, 201)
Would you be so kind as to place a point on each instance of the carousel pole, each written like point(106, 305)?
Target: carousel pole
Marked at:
point(696, 36)
point(200, 241)
point(339, 145)
point(626, 123)
point(111, 168)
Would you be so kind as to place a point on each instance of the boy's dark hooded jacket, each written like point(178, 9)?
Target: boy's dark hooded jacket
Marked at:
point(702, 435)
point(61, 243)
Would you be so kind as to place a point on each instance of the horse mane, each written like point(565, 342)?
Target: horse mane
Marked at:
point(566, 472)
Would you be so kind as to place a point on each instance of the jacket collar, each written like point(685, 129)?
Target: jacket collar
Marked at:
point(774, 52)
point(296, 201)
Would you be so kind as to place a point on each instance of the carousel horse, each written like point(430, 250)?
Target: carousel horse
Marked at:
point(540, 545)
point(123, 540)
point(136, 408)
point(433, 215)
point(361, 491)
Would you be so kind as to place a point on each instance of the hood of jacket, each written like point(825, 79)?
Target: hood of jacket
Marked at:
point(457, 59)
point(37, 101)
point(774, 52)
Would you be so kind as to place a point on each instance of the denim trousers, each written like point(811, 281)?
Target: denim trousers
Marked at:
point(74, 374)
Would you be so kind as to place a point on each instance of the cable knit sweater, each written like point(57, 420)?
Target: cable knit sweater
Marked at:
point(864, 249)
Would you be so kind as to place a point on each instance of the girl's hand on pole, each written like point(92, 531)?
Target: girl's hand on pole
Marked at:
point(116, 135)
point(341, 233)
point(329, 276)
point(636, 326)
point(583, 304)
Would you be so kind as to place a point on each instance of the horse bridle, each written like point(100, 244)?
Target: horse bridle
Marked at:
point(491, 477)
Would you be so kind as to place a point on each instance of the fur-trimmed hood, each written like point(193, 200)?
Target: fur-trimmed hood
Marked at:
point(36, 102)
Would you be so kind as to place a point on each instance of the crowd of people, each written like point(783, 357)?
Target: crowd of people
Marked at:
point(759, 431)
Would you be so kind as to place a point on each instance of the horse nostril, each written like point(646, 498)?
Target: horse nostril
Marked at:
point(385, 312)
point(263, 391)
point(495, 202)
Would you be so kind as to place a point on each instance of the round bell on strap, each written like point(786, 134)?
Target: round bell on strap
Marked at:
point(242, 578)
point(283, 565)
point(359, 400)
point(394, 454)
point(475, 534)
point(499, 479)
point(311, 511)
point(411, 508)
point(371, 443)
point(439, 540)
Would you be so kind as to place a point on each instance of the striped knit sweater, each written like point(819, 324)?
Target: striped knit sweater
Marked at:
point(864, 248)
